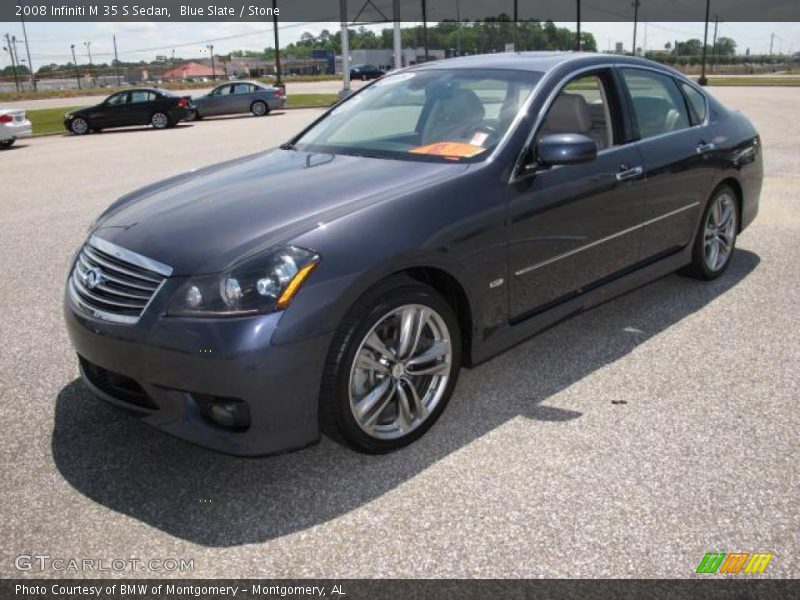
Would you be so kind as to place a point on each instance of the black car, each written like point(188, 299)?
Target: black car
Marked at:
point(140, 106)
point(365, 72)
point(435, 218)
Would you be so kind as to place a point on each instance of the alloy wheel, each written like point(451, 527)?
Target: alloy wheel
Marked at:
point(259, 109)
point(159, 120)
point(719, 232)
point(400, 371)
point(79, 126)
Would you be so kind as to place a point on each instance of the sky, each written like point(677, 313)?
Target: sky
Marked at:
point(50, 42)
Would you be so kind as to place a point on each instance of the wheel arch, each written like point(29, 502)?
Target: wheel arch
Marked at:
point(736, 186)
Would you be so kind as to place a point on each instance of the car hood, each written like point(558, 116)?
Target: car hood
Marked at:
point(206, 220)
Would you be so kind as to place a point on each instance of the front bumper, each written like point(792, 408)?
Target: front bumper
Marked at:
point(174, 360)
point(15, 130)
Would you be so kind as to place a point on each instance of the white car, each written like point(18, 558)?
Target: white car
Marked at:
point(13, 125)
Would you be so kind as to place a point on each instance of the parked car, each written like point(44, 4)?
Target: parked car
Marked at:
point(430, 221)
point(239, 97)
point(365, 72)
point(142, 106)
point(13, 125)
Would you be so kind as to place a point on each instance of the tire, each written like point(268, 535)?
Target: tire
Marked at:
point(79, 126)
point(406, 402)
point(715, 241)
point(160, 120)
point(259, 108)
point(6, 144)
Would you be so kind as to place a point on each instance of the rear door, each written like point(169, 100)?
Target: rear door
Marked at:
point(141, 105)
point(243, 96)
point(572, 226)
point(675, 148)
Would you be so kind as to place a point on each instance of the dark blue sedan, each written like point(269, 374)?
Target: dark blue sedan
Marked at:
point(435, 218)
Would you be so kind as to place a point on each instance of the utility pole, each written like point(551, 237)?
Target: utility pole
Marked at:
point(425, 27)
point(703, 80)
point(398, 39)
point(28, 52)
point(278, 70)
point(578, 29)
point(75, 64)
point(10, 49)
point(771, 42)
point(635, 22)
point(458, 31)
point(213, 69)
point(345, 49)
point(714, 44)
point(516, 20)
point(116, 60)
point(91, 65)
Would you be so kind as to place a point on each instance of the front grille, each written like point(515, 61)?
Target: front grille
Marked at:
point(114, 284)
point(115, 385)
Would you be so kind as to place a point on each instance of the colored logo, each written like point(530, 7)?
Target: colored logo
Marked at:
point(736, 562)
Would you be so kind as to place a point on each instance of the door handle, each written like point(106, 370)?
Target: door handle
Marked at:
point(630, 173)
point(702, 147)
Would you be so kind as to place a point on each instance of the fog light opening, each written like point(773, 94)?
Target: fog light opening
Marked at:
point(230, 413)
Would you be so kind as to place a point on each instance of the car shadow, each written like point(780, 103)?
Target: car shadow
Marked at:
point(221, 501)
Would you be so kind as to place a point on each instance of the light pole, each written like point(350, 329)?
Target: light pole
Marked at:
point(635, 22)
point(278, 80)
point(91, 66)
point(28, 52)
point(213, 69)
point(75, 64)
point(10, 49)
point(703, 80)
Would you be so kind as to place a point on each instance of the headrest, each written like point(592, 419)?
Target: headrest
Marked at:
point(568, 114)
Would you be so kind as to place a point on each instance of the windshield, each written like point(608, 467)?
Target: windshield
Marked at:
point(432, 114)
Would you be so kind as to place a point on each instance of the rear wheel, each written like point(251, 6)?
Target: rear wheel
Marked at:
point(7, 143)
point(79, 126)
point(160, 120)
point(259, 108)
point(392, 367)
point(716, 238)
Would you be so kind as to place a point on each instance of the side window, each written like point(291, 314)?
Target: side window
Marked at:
point(222, 91)
point(697, 103)
point(242, 88)
point(141, 96)
point(582, 107)
point(117, 99)
point(658, 104)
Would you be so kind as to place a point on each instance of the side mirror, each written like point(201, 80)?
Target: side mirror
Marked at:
point(566, 149)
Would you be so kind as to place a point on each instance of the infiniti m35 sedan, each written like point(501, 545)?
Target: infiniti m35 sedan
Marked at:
point(437, 217)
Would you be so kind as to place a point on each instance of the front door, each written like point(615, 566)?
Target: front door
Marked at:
point(572, 226)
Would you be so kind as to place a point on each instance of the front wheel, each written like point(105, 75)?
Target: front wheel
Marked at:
point(160, 120)
point(79, 126)
point(716, 238)
point(392, 367)
point(4, 144)
point(259, 108)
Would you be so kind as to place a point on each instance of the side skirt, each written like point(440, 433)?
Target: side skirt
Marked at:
point(512, 335)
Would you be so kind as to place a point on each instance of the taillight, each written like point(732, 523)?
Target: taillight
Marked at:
point(278, 92)
point(183, 103)
point(6, 118)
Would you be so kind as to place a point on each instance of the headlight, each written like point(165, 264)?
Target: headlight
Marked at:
point(67, 115)
point(262, 284)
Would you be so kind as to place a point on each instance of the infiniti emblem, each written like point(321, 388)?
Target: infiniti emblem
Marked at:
point(93, 278)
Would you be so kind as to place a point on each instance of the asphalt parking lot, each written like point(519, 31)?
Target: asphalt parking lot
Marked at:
point(626, 442)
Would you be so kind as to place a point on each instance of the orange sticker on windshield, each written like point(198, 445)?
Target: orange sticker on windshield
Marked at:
point(449, 149)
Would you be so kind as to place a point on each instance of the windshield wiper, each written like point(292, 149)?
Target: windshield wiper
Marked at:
point(288, 146)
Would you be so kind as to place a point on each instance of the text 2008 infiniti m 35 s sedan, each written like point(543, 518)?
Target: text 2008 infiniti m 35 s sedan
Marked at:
point(338, 283)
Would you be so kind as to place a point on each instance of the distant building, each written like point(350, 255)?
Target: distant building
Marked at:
point(192, 70)
point(618, 48)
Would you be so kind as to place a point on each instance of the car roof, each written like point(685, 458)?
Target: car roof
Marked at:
point(540, 61)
